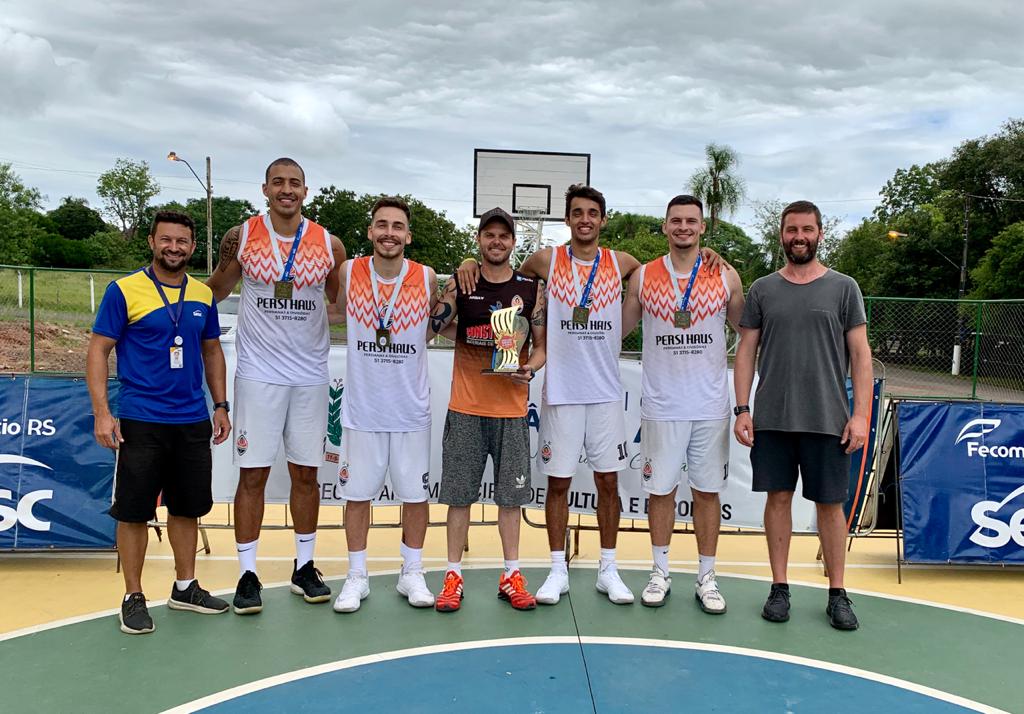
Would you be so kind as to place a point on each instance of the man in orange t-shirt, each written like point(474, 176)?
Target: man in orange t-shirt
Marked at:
point(487, 412)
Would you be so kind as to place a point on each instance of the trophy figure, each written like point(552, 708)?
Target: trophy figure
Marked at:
point(509, 330)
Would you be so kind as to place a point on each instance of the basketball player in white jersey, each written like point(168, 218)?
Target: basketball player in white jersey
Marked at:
point(582, 409)
point(387, 300)
point(287, 265)
point(684, 409)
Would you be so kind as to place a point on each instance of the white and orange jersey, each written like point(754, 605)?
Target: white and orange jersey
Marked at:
point(283, 340)
point(685, 373)
point(583, 360)
point(386, 385)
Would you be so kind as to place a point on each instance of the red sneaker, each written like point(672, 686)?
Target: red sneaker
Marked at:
point(450, 597)
point(513, 589)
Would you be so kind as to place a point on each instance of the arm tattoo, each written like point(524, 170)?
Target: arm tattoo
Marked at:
point(441, 316)
point(228, 247)
point(540, 310)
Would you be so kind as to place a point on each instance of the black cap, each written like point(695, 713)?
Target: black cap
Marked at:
point(497, 214)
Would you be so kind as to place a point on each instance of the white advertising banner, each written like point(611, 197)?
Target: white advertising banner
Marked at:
point(740, 506)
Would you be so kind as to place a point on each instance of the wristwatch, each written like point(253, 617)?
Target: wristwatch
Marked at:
point(226, 406)
point(741, 409)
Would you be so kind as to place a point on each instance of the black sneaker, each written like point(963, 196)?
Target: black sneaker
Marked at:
point(247, 595)
point(195, 599)
point(840, 612)
point(135, 619)
point(776, 607)
point(308, 582)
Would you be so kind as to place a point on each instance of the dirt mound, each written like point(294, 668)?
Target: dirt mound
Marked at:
point(59, 348)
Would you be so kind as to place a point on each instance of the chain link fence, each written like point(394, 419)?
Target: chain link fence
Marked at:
point(969, 349)
point(930, 348)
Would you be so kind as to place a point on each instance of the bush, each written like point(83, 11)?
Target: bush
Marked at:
point(55, 252)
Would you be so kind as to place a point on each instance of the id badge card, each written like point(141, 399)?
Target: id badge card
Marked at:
point(283, 289)
point(681, 319)
point(580, 315)
point(177, 357)
point(383, 337)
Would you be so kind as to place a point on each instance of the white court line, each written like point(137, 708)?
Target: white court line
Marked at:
point(578, 564)
point(279, 679)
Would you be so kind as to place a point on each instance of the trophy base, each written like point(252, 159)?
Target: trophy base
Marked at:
point(500, 371)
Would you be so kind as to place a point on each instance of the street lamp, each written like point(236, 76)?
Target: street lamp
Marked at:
point(208, 187)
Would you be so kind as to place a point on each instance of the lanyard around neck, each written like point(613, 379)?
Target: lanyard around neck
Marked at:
point(175, 312)
point(584, 299)
point(385, 319)
point(285, 267)
point(683, 301)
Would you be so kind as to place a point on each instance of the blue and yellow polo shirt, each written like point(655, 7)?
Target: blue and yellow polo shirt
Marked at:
point(132, 313)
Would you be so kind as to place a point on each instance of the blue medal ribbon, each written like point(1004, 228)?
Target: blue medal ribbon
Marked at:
point(684, 303)
point(585, 298)
point(173, 312)
point(287, 276)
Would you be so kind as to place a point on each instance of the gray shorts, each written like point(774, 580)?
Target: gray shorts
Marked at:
point(467, 442)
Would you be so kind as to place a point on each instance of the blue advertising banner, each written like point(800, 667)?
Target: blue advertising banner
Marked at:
point(55, 480)
point(961, 468)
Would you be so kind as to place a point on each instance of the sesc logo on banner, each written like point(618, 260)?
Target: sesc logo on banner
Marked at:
point(962, 481)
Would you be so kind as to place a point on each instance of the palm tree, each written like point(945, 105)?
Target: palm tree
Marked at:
point(716, 184)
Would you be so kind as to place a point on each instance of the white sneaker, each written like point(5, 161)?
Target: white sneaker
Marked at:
point(414, 588)
point(658, 588)
point(355, 590)
point(555, 586)
point(609, 582)
point(708, 595)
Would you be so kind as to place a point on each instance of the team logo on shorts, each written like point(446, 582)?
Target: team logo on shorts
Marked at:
point(545, 452)
point(343, 473)
point(520, 480)
point(648, 471)
point(242, 444)
point(426, 481)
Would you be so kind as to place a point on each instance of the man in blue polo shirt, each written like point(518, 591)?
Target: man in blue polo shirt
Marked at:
point(165, 330)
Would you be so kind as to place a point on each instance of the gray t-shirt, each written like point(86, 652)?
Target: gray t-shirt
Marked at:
point(803, 359)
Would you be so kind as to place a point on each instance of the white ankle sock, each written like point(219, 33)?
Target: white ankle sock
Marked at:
point(247, 556)
point(705, 564)
point(305, 544)
point(412, 558)
point(455, 567)
point(511, 566)
point(182, 585)
point(558, 563)
point(660, 553)
point(607, 558)
point(357, 561)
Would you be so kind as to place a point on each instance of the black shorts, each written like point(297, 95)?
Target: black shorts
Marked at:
point(820, 460)
point(173, 458)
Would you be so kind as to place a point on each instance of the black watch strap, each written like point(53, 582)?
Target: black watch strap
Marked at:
point(226, 406)
point(741, 409)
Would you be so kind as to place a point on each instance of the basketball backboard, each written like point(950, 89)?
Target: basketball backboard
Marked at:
point(527, 184)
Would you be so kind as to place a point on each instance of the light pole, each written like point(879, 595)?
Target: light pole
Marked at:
point(208, 187)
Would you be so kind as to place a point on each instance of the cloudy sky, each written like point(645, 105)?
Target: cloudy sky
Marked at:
point(390, 96)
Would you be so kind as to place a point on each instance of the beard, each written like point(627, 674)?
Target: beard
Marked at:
point(812, 251)
point(169, 267)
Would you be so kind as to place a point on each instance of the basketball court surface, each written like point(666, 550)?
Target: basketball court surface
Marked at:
point(943, 641)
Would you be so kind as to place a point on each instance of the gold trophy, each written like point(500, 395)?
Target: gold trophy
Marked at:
point(509, 330)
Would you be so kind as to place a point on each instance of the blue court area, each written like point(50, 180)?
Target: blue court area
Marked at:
point(569, 678)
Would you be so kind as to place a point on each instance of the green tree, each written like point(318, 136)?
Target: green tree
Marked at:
point(14, 194)
point(907, 190)
point(436, 240)
point(126, 191)
point(227, 213)
point(998, 275)
point(20, 230)
point(345, 215)
point(717, 184)
point(75, 220)
point(627, 226)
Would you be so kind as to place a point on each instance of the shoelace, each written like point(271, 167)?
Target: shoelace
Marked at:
point(517, 582)
point(135, 604)
point(775, 595)
point(451, 586)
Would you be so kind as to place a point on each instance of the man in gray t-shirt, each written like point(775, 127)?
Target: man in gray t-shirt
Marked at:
point(810, 325)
